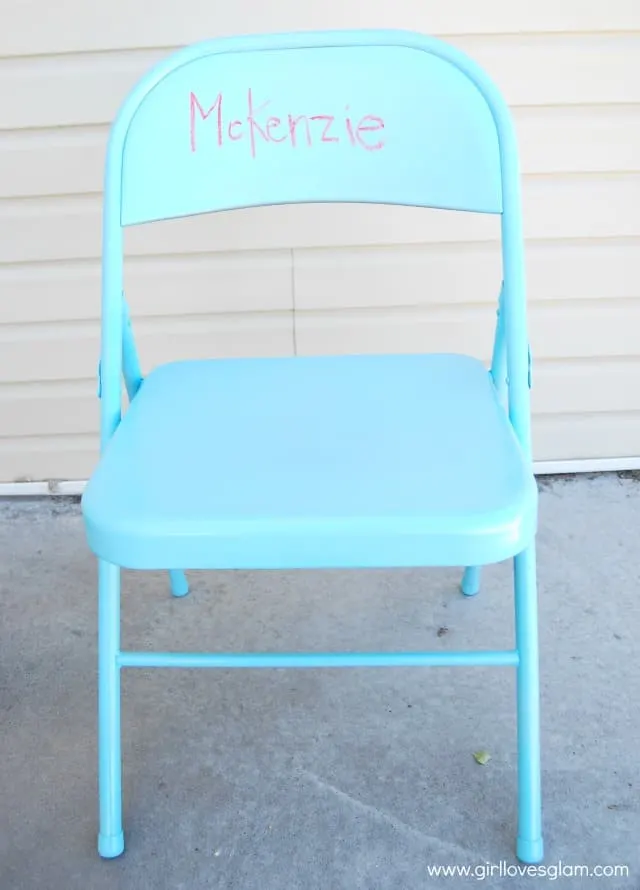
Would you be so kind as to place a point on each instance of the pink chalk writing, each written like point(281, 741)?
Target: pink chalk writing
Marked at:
point(257, 126)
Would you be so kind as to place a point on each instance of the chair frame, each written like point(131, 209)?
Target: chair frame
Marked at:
point(510, 370)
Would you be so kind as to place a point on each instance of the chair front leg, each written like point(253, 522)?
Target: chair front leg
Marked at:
point(529, 845)
point(110, 837)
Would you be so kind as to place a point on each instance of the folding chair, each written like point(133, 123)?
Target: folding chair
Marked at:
point(313, 462)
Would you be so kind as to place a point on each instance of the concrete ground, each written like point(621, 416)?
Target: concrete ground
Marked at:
point(262, 780)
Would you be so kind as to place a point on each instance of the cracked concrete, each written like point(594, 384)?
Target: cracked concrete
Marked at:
point(320, 779)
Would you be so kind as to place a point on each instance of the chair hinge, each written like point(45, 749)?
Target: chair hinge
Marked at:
point(99, 380)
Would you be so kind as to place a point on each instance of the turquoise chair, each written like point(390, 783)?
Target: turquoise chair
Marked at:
point(316, 462)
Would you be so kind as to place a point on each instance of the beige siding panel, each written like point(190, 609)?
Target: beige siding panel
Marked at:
point(456, 329)
point(555, 207)
point(566, 69)
point(70, 351)
point(573, 437)
point(563, 139)
point(602, 390)
point(603, 328)
point(188, 285)
point(587, 436)
point(576, 329)
point(583, 386)
point(416, 275)
point(579, 138)
point(604, 269)
point(69, 228)
point(531, 70)
point(81, 26)
point(72, 90)
point(405, 275)
point(191, 285)
point(48, 457)
point(65, 161)
point(581, 206)
point(49, 409)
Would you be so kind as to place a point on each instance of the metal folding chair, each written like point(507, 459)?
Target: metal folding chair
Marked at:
point(336, 461)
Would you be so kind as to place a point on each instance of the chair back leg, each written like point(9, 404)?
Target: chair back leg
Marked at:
point(178, 582)
point(470, 581)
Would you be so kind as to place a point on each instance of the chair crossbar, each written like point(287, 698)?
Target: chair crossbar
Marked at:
point(497, 658)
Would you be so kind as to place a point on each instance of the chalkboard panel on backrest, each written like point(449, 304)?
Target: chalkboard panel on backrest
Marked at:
point(368, 123)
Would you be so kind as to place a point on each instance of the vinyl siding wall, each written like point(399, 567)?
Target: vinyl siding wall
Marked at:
point(275, 281)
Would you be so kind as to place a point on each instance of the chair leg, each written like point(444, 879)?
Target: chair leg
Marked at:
point(110, 837)
point(470, 581)
point(529, 845)
point(178, 582)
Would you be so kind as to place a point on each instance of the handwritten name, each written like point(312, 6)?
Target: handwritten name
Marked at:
point(258, 126)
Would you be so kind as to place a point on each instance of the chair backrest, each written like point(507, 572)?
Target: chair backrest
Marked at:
point(363, 116)
point(333, 117)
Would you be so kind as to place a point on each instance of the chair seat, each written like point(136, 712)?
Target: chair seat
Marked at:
point(398, 460)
